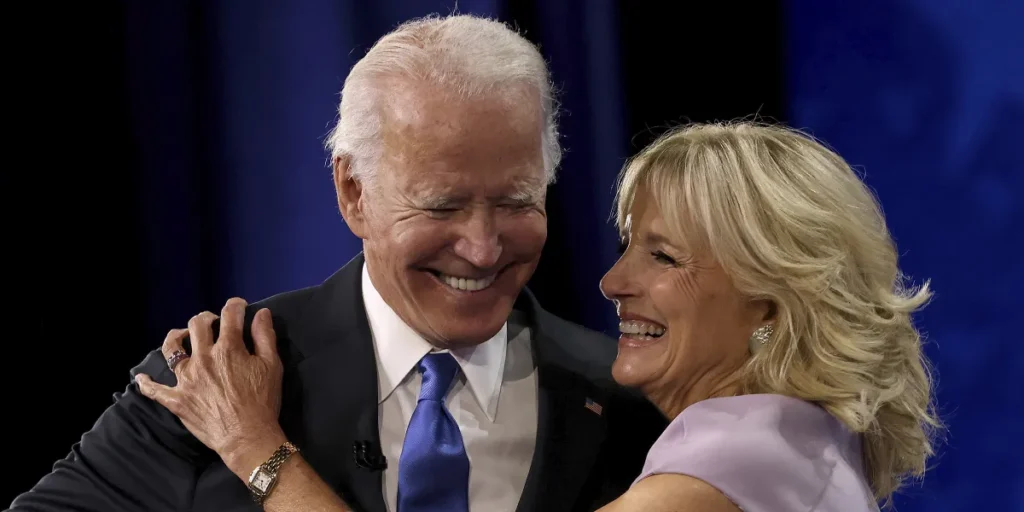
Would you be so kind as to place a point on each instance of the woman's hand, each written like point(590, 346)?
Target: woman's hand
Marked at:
point(228, 398)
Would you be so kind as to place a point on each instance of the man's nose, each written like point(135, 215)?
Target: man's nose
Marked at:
point(480, 243)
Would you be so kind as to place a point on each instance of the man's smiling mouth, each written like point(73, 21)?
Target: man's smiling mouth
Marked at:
point(466, 284)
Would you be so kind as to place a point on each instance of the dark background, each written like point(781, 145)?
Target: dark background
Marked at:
point(168, 155)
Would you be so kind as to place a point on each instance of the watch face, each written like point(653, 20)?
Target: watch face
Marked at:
point(262, 480)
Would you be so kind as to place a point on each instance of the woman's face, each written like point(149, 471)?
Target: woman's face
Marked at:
point(685, 327)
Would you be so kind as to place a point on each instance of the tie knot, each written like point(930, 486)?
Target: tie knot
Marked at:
point(438, 372)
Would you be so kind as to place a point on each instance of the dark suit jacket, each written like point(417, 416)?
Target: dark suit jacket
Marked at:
point(138, 456)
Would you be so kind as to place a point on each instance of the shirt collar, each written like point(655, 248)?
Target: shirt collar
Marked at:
point(399, 348)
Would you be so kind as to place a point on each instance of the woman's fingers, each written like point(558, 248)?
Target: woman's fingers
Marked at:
point(226, 394)
point(232, 318)
point(263, 336)
point(166, 396)
point(200, 332)
point(172, 348)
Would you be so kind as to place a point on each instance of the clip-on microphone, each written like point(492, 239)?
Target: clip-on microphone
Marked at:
point(368, 456)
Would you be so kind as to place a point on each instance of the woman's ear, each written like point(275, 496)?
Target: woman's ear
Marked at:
point(350, 195)
point(770, 311)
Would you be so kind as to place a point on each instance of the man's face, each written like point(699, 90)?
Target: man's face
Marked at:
point(453, 223)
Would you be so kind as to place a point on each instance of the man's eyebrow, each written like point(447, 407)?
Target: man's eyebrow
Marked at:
point(527, 190)
point(522, 191)
point(443, 202)
point(525, 195)
point(437, 201)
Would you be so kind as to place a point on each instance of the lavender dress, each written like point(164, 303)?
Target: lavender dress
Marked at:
point(766, 453)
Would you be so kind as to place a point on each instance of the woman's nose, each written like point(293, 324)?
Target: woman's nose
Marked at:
point(614, 284)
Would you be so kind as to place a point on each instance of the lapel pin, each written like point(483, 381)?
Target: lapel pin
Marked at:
point(593, 406)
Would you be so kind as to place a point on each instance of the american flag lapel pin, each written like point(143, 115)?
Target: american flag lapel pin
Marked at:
point(593, 406)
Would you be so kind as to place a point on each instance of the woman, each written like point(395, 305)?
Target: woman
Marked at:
point(762, 311)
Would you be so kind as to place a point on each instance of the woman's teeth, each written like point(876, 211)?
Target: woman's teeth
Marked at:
point(469, 285)
point(637, 329)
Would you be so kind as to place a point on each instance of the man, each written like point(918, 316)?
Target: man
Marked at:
point(444, 149)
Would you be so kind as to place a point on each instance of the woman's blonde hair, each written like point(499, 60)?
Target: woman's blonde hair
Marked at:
point(790, 221)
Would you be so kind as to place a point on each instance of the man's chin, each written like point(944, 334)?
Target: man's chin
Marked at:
point(462, 318)
point(454, 338)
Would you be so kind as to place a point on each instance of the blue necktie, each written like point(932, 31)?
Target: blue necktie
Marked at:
point(433, 471)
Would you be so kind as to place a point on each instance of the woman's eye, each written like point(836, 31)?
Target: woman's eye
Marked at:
point(664, 258)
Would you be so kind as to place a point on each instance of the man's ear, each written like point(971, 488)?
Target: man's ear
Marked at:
point(350, 196)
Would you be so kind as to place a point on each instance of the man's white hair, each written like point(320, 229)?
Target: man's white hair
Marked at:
point(466, 55)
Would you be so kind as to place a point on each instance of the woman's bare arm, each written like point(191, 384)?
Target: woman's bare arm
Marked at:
point(298, 489)
point(671, 493)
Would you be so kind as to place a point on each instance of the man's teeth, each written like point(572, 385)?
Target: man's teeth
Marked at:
point(469, 285)
point(636, 328)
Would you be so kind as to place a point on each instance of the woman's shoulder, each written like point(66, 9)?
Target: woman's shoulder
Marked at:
point(764, 451)
point(752, 429)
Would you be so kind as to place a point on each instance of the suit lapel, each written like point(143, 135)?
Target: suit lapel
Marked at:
point(330, 399)
point(569, 434)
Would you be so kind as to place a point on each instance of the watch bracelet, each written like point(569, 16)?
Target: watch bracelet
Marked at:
point(279, 456)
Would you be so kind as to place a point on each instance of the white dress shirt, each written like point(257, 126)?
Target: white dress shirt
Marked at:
point(493, 399)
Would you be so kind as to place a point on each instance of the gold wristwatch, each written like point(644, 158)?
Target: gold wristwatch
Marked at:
point(263, 478)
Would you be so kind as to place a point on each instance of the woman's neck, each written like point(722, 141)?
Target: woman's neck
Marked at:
point(672, 402)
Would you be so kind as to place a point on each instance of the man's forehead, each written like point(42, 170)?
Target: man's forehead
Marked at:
point(422, 121)
point(476, 181)
point(459, 162)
